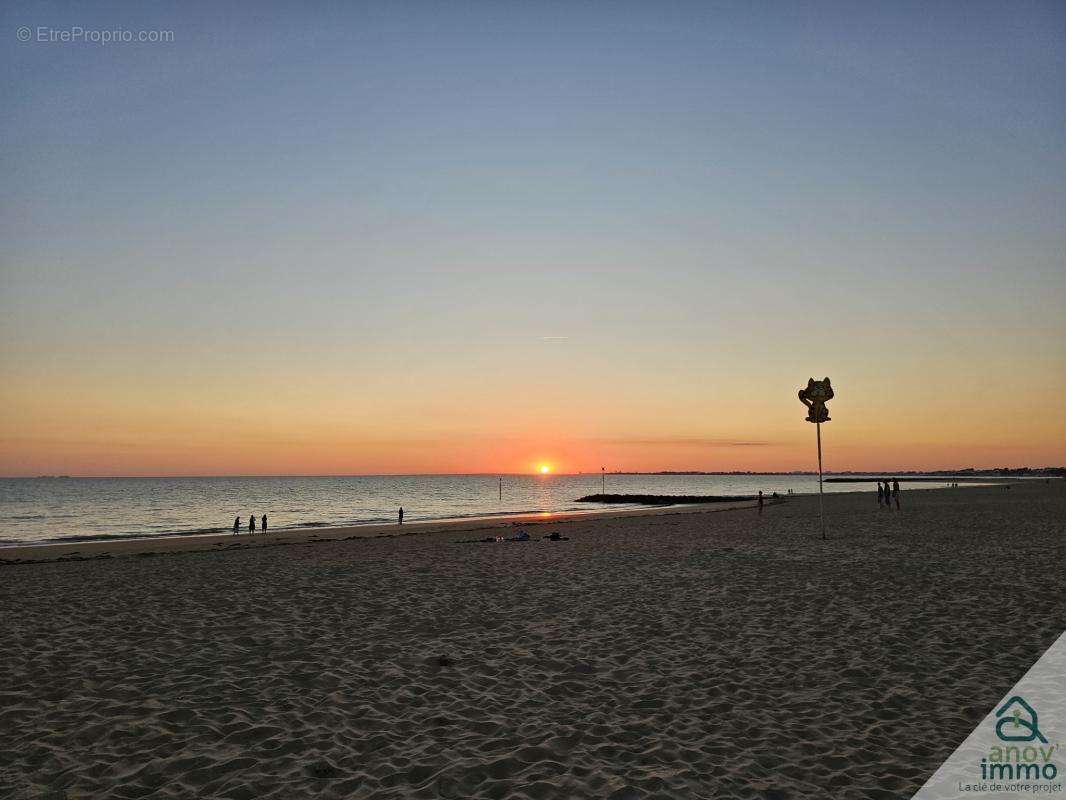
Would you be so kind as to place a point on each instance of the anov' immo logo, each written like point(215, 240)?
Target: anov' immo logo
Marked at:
point(1027, 756)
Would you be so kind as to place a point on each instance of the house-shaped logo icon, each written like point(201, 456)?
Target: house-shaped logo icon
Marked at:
point(1017, 722)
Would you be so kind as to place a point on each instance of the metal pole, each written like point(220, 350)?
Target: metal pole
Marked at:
point(501, 489)
point(821, 507)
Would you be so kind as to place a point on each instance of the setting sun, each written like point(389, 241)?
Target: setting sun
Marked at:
point(544, 469)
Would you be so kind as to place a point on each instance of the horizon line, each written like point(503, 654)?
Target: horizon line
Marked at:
point(944, 470)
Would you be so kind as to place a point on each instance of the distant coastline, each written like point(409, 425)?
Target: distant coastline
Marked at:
point(968, 472)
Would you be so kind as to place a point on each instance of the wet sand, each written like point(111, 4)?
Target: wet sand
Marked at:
point(694, 652)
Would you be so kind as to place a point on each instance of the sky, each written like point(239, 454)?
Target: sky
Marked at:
point(416, 237)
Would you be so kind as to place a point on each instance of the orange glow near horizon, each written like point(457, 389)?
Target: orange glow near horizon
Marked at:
point(95, 418)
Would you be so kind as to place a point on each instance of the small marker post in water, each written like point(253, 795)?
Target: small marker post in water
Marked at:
point(815, 396)
point(603, 480)
point(501, 488)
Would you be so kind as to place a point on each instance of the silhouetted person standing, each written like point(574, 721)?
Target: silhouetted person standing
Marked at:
point(400, 516)
point(760, 502)
point(264, 525)
point(251, 524)
point(880, 494)
point(895, 493)
point(236, 526)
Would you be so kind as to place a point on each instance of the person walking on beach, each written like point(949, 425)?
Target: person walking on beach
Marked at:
point(400, 516)
point(895, 492)
point(236, 526)
point(264, 525)
point(251, 524)
point(880, 494)
point(760, 502)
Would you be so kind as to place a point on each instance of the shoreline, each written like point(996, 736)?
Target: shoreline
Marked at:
point(14, 552)
point(88, 550)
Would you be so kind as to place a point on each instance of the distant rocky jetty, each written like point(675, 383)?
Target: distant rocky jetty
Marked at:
point(662, 499)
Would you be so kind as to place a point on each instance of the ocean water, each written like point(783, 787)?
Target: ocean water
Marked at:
point(78, 509)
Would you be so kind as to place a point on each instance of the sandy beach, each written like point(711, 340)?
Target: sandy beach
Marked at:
point(685, 653)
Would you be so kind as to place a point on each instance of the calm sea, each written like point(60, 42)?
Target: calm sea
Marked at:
point(76, 509)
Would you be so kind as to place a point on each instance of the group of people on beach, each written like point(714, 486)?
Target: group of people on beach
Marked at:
point(263, 523)
point(251, 525)
point(886, 495)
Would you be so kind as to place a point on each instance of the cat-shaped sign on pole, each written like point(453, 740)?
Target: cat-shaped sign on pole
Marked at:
point(815, 396)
